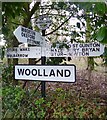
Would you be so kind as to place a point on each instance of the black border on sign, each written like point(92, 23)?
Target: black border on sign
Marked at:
point(44, 65)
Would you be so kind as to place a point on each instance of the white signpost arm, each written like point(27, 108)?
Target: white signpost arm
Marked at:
point(25, 35)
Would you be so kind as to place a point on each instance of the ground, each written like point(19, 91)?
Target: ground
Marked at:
point(96, 89)
point(88, 85)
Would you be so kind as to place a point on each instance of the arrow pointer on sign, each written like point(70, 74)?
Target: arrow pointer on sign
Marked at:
point(25, 35)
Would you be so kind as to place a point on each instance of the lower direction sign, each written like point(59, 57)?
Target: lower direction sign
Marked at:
point(58, 73)
point(76, 49)
point(26, 52)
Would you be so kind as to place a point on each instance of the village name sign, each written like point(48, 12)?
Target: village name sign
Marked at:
point(58, 73)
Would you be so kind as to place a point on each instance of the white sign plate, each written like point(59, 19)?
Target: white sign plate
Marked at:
point(57, 73)
point(76, 49)
point(28, 52)
point(25, 35)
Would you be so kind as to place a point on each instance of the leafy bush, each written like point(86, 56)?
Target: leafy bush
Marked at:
point(7, 74)
point(12, 99)
point(17, 103)
point(58, 104)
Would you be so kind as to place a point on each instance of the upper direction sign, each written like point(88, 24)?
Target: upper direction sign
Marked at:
point(25, 35)
point(76, 49)
point(28, 52)
point(58, 73)
point(43, 22)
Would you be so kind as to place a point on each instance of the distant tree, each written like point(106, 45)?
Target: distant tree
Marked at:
point(13, 15)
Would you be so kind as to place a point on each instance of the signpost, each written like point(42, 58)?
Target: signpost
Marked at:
point(77, 50)
point(43, 73)
point(43, 61)
point(43, 22)
point(27, 52)
point(25, 35)
point(56, 73)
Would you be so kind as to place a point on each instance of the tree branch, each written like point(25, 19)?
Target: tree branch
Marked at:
point(27, 20)
point(16, 23)
point(58, 26)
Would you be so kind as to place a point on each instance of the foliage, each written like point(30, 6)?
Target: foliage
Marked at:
point(12, 97)
point(2, 52)
point(97, 19)
point(101, 35)
point(105, 56)
point(12, 15)
point(60, 104)
point(7, 74)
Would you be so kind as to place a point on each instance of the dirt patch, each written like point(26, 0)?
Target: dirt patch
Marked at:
point(82, 87)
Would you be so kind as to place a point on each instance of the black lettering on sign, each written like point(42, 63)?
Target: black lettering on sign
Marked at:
point(67, 73)
point(76, 51)
point(52, 50)
point(15, 49)
point(96, 44)
point(24, 49)
point(85, 53)
point(28, 31)
point(22, 29)
point(26, 55)
point(75, 45)
point(34, 72)
point(22, 34)
point(39, 73)
point(44, 72)
point(94, 49)
point(37, 42)
point(59, 72)
point(20, 71)
point(52, 73)
point(69, 45)
point(98, 49)
point(27, 72)
point(85, 49)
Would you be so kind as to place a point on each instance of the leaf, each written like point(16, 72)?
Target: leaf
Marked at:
point(54, 45)
point(61, 5)
point(101, 34)
point(100, 8)
point(87, 6)
point(104, 41)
